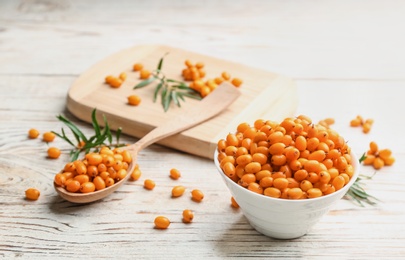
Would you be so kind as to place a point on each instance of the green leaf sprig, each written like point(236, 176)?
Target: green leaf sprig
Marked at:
point(170, 90)
point(357, 193)
point(82, 143)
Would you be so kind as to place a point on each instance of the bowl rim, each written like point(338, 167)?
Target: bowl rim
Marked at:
point(355, 176)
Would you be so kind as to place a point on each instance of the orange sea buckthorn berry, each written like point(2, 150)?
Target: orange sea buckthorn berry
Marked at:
point(294, 193)
point(48, 137)
point(134, 100)
point(378, 163)
point(255, 187)
point(53, 152)
point(109, 181)
point(225, 75)
point(60, 179)
point(338, 182)
point(355, 122)
point(234, 204)
point(389, 161)
point(178, 191)
point(136, 174)
point(115, 82)
point(33, 133)
point(197, 195)
point(99, 183)
point(188, 63)
point(87, 187)
point(174, 174)
point(373, 147)
point(137, 67)
point(149, 184)
point(229, 169)
point(162, 222)
point(218, 80)
point(82, 178)
point(188, 216)
point(123, 76)
point(144, 74)
point(366, 127)
point(72, 185)
point(94, 158)
point(314, 193)
point(121, 174)
point(108, 79)
point(32, 194)
point(237, 82)
point(272, 192)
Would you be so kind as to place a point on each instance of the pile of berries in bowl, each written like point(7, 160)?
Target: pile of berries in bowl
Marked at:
point(285, 176)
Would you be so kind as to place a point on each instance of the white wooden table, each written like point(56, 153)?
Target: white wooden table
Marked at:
point(347, 59)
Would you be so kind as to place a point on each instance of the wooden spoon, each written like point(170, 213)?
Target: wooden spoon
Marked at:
point(210, 106)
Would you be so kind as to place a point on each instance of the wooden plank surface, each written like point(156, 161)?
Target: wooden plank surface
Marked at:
point(345, 57)
point(264, 95)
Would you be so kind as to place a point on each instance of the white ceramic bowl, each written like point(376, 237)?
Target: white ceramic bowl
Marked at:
point(283, 218)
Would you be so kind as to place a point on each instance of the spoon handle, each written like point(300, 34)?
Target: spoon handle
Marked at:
point(210, 106)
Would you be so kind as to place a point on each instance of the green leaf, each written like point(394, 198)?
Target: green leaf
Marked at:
point(362, 158)
point(192, 95)
point(145, 82)
point(160, 64)
point(94, 122)
point(118, 135)
point(175, 99)
point(180, 95)
point(74, 155)
point(75, 130)
point(166, 99)
point(177, 81)
point(158, 87)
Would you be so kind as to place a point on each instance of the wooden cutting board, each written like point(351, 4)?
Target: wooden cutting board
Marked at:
point(265, 95)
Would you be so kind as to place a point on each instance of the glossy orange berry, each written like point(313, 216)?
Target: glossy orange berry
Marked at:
point(121, 174)
point(174, 174)
point(149, 184)
point(237, 82)
point(123, 76)
point(137, 67)
point(234, 204)
point(87, 187)
point(178, 191)
point(294, 193)
point(48, 137)
point(108, 79)
point(115, 82)
point(72, 185)
point(162, 222)
point(272, 192)
point(94, 158)
point(99, 183)
point(60, 179)
point(338, 182)
point(225, 75)
point(53, 152)
point(134, 100)
point(136, 174)
point(188, 216)
point(197, 195)
point(33, 133)
point(314, 193)
point(144, 74)
point(82, 178)
point(255, 187)
point(229, 169)
point(109, 181)
point(32, 194)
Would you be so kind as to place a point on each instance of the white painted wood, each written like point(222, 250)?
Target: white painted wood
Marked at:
point(346, 57)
